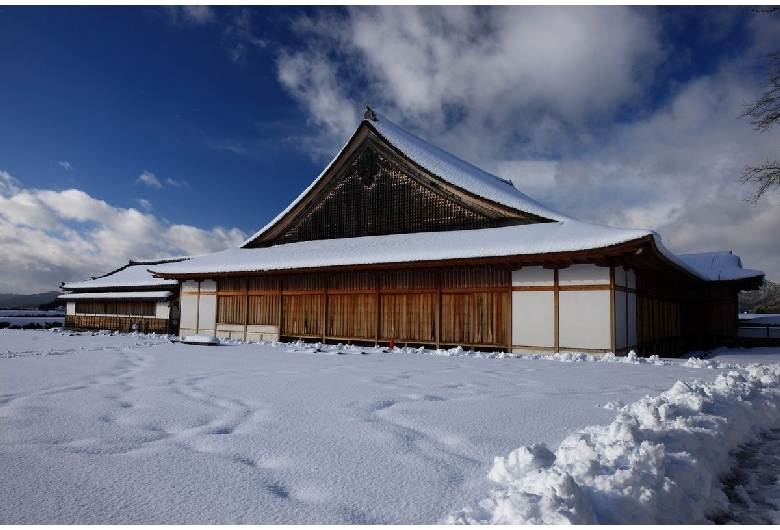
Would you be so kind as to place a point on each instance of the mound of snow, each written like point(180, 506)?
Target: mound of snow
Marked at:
point(657, 463)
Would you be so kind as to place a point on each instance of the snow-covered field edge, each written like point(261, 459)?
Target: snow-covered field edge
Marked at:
point(657, 463)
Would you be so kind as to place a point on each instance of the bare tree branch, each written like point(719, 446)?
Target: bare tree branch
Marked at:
point(765, 111)
point(766, 176)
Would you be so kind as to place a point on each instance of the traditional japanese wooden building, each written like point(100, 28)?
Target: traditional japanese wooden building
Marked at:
point(127, 299)
point(398, 241)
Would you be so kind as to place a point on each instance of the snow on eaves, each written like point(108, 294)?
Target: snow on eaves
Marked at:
point(120, 295)
point(718, 266)
point(445, 166)
point(540, 238)
point(136, 275)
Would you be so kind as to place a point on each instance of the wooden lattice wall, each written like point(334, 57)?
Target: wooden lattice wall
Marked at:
point(459, 306)
point(374, 195)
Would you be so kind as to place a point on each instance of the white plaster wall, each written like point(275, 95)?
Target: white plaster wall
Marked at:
point(163, 310)
point(208, 286)
point(189, 286)
point(533, 318)
point(583, 275)
point(188, 307)
point(70, 308)
point(584, 320)
point(631, 276)
point(533, 276)
point(621, 322)
point(207, 313)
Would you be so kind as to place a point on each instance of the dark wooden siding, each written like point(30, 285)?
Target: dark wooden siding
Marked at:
point(374, 196)
point(467, 306)
point(133, 308)
point(119, 323)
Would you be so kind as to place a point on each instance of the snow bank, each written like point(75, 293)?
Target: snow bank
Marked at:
point(657, 463)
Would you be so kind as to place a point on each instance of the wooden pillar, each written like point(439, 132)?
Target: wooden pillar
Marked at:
point(438, 308)
point(377, 278)
point(556, 316)
point(612, 330)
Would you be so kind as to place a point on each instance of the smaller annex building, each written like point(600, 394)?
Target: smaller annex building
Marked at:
point(399, 241)
point(127, 299)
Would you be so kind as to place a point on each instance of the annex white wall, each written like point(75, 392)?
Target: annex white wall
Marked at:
point(584, 320)
point(198, 307)
point(188, 308)
point(207, 308)
point(162, 310)
point(583, 275)
point(533, 321)
point(533, 311)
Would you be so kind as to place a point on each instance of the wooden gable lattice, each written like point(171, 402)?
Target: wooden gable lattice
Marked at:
point(376, 191)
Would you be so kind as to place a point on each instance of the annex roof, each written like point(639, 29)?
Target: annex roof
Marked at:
point(718, 266)
point(118, 295)
point(133, 275)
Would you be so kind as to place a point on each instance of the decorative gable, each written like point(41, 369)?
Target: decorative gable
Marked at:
point(374, 190)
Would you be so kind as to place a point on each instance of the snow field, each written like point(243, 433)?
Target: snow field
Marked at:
point(102, 428)
point(658, 462)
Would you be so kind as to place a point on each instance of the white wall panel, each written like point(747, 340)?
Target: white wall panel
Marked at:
point(583, 275)
point(189, 286)
point(209, 286)
point(189, 313)
point(163, 310)
point(631, 279)
point(533, 314)
point(70, 308)
point(532, 276)
point(584, 320)
point(207, 313)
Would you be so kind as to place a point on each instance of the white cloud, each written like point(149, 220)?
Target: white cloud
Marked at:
point(149, 179)
point(493, 75)
point(47, 237)
point(65, 165)
point(556, 98)
point(190, 15)
point(177, 183)
point(146, 205)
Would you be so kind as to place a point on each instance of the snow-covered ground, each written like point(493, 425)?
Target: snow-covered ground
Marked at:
point(96, 428)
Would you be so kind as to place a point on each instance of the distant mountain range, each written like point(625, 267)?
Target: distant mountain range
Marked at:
point(27, 301)
point(764, 300)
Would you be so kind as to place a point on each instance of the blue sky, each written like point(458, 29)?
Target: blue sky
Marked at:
point(139, 132)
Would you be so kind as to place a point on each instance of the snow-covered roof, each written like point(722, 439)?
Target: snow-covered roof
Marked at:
point(718, 266)
point(120, 295)
point(133, 275)
point(442, 164)
point(459, 173)
point(540, 238)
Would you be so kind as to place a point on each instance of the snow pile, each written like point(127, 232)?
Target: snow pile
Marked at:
point(657, 463)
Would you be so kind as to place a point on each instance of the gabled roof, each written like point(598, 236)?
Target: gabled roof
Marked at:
point(447, 168)
point(554, 235)
point(133, 275)
point(458, 172)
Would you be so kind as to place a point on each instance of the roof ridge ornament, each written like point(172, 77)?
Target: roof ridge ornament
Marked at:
point(369, 114)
